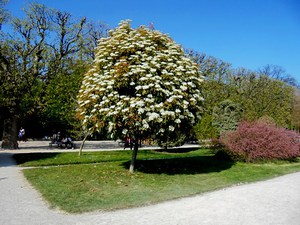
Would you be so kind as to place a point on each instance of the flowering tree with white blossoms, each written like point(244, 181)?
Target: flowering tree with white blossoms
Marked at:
point(140, 85)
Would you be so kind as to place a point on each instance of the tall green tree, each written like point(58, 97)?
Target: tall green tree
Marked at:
point(218, 86)
point(22, 55)
point(261, 96)
point(60, 100)
point(141, 85)
point(42, 54)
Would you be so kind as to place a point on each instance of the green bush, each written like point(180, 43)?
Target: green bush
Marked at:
point(204, 129)
point(226, 116)
point(168, 141)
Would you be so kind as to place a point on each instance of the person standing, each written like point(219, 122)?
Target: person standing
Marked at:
point(21, 135)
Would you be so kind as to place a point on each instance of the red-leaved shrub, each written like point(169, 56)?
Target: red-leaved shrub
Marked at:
point(254, 141)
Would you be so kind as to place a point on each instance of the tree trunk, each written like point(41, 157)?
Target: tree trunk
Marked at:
point(134, 154)
point(10, 133)
point(82, 144)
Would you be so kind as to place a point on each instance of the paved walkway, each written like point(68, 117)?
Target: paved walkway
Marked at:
point(276, 202)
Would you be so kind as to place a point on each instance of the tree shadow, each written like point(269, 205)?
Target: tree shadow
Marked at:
point(188, 165)
point(22, 158)
point(179, 149)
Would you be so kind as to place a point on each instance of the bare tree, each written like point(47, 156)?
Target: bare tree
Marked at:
point(278, 73)
point(92, 33)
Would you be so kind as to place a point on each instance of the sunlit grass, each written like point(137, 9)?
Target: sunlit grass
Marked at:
point(101, 181)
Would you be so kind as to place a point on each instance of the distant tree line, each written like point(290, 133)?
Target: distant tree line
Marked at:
point(268, 92)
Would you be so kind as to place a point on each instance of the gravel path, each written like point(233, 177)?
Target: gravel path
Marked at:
point(275, 201)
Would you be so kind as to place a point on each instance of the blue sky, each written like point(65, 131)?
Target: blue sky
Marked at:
point(245, 33)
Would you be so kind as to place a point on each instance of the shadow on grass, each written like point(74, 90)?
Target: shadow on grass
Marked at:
point(188, 165)
point(179, 150)
point(28, 157)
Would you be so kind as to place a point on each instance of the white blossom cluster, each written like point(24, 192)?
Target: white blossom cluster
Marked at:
point(140, 80)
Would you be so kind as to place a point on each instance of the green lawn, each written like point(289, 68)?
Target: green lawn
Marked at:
point(101, 181)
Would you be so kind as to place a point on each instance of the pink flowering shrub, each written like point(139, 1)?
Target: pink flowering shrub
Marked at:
point(255, 141)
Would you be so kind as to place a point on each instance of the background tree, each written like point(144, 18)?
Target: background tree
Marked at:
point(71, 51)
point(204, 130)
point(278, 73)
point(141, 85)
point(226, 116)
point(295, 123)
point(216, 88)
point(262, 96)
point(266, 92)
point(64, 69)
point(22, 55)
point(42, 54)
point(60, 105)
point(4, 14)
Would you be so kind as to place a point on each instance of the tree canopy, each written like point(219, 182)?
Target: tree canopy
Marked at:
point(141, 84)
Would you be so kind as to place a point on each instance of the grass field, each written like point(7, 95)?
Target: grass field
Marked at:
point(101, 181)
